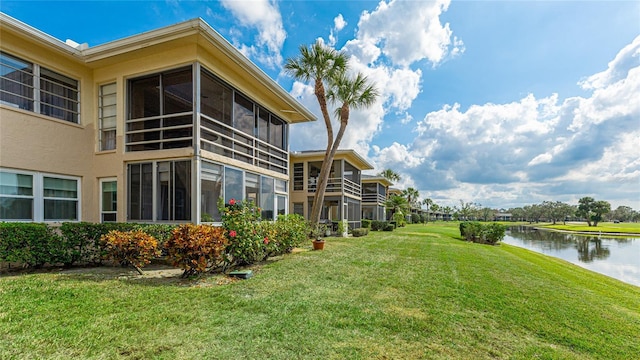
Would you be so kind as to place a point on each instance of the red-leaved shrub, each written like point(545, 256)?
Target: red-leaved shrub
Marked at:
point(135, 248)
point(195, 248)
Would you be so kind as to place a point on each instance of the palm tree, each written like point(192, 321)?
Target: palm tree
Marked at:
point(318, 64)
point(412, 196)
point(327, 67)
point(427, 202)
point(390, 175)
point(396, 203)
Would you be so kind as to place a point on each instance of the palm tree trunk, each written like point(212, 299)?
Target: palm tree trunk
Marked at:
point(318, 199)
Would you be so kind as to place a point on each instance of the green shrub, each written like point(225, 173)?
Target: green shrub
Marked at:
point(398, 218)
point(359, 232)
point(493, 233)
point(377, 225)
point(389, 227)
point(476, 232)
point(291, 231)
point(245, 243)
point(196, 248)
point(424, 218)
point(415, 218)
point(81, 241)
point(366, 223)
point(135, 248)
point(29, 244)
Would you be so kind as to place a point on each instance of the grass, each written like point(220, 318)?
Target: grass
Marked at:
point(417, 292)
point(604, 227)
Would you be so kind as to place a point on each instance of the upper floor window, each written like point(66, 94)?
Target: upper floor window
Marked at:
point(160, 111)
point(107, 116)
point(29, 86)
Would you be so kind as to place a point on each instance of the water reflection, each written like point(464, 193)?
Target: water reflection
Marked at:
point(615, 257)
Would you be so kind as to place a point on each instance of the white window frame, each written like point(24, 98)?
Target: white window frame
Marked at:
point(102, 212)
point(101, 117)
point(39, 198)
point(38, 90)
point(32, 196)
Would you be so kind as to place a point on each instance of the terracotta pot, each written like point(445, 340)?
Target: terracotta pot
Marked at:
point(318, 244)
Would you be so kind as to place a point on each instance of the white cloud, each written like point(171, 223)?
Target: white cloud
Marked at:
point(406, 32)
point(338, 24)
point(627, 59)
point(265, 17)
point(527, 151)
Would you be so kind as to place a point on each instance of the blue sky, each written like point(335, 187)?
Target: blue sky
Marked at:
point(502, 103)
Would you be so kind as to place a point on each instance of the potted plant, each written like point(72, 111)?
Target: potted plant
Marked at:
point(317, 231)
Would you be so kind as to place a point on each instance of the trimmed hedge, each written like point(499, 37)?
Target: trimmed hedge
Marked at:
point(474, 231)
point(30, 244)
point(36, 244)
point(366, 223)
point(360, 232)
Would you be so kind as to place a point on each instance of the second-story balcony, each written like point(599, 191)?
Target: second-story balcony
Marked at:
point(340, 185)
point(225, 140)
point(375, 198)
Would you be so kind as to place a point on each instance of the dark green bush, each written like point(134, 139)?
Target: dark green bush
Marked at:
point(81, 241)
point(476, 232)
point(30, 244)
point(377, 225)
point(415, 218)
point(389, 227)
point(291, 231)
point(359, 232)
point(494, 233)
point(366, 223)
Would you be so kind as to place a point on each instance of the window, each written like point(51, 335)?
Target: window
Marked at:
point(38, 197)
point(16, 196)
point(160, 111)
point(107, 116)
point(298, 176)
point(267, 197)
point(60, 199)
point(170, 194)
point(108, 200)
point(232, 184)
point(298, 208)
point(35, 88)
point(252, 188)
point(16, 82)
point(211, 188)
point(140, 191)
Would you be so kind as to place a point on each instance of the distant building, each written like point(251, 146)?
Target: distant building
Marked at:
point(343, 196)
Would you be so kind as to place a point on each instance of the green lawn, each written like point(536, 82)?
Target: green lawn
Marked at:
point(414, 293)
point(604, 227)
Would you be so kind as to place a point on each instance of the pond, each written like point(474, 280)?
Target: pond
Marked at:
point(615, 257)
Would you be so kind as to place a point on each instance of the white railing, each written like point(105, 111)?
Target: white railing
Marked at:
point(374, 198)
point(337, 185)
point(223, 139)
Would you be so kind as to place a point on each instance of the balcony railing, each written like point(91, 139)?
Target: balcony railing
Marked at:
point(338, 185)
point(374, 198)
point(223, 139)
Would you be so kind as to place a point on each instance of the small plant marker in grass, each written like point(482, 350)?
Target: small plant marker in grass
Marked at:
point(242, 274)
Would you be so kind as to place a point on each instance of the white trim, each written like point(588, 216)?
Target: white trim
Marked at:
point(100, 194)
point(38, 193)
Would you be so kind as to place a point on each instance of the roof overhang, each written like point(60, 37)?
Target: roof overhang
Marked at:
point(347, 154)
point(294, 110)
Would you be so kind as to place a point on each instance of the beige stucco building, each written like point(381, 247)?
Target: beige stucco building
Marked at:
point(154, 127)
point(343, 196)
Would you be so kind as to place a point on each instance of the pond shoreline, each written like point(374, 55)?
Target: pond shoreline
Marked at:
point(597, 233)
